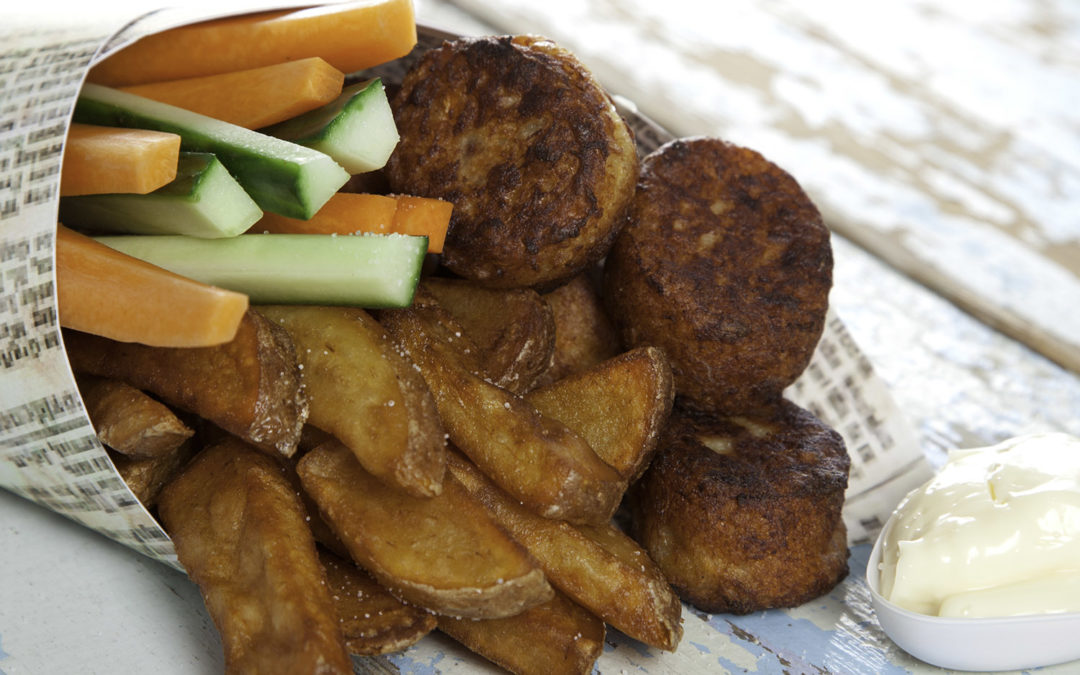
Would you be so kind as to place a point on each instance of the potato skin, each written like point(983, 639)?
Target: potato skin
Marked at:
point(752, 520)
point(536, 160)
point(724, 264)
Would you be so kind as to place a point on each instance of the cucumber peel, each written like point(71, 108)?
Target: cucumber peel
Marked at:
point(366, 270)
point(357, 129)
point(202, 201)
point(282, 177)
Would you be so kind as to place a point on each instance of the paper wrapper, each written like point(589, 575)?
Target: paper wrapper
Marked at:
point(49, 452)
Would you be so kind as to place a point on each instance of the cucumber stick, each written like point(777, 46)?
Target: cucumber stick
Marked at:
point(202, 201)
point(368, 270)
point(280, 176)
point(357, 129)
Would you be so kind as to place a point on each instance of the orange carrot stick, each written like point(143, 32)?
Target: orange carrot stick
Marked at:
point(107, 293)
point(356, 213)
point(350, 37)
point(343, 213)
point(103, 160)
point(252, 98)
point(423, 215)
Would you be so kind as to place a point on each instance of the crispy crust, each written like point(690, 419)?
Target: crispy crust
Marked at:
point(743, 514)
point(584, 335)
point(249, 386)
point(726, 265)
point(372, 620)
point(513, 328)
point(240, 533)
point(536, 160)
point(441, 553)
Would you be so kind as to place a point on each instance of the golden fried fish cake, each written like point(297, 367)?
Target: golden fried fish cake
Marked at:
point(724, 264)
point(531, 151)
point(743, 513)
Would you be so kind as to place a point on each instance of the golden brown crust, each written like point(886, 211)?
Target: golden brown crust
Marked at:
point(513, 328)
point(249, 386)
point(743, 513)
point(240, 533)
point(597, 566)
point(146, 476)
point(130, 421)
point(517, 134)
point(584, 334)
point(441, 553)
point(364, 393)
point(558, 637)
point(726, 265)
point(618, 406)
point(537, 459)
point(372, 620)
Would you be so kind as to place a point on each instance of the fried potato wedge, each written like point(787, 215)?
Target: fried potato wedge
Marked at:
point(513, 328)
point(599, 567)
point(146, 476)
point(249, 387)
point(366, 395)
point(618, 407)
point(240, 533)
point(584, 334)
point(130, 421)
point(535, 458)
point(558, 637)
point(443, 553)
point(372, 620)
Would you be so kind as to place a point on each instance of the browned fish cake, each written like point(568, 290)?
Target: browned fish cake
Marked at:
point(726, 265)
point(743, 513)
point(536, 160)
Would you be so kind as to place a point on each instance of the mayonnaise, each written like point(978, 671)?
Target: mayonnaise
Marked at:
point(995, 533)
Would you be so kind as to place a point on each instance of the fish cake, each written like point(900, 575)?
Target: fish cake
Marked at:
point(726, 265)
point(531, 151)
point(743, 513)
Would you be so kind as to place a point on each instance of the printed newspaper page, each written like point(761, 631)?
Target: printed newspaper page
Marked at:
point(49, 452)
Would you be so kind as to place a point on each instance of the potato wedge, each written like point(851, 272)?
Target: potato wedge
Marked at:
point(536, 459)
point(599, 567)
point(558, 637)
point(618, 406)
point(146, 476)
point(372, 620)
point(584, 334)
point(513, 328)
point(442, 553)
point(129, 421)
point(364, 393)
point(249, 387)
point(240, 533)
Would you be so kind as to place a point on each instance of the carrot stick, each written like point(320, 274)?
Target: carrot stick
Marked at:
point(107, 293)
point(423, 216)
point(356, 213)
point(343, 213)
point(350, 37)
point(252, 98)
point(104, 160)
